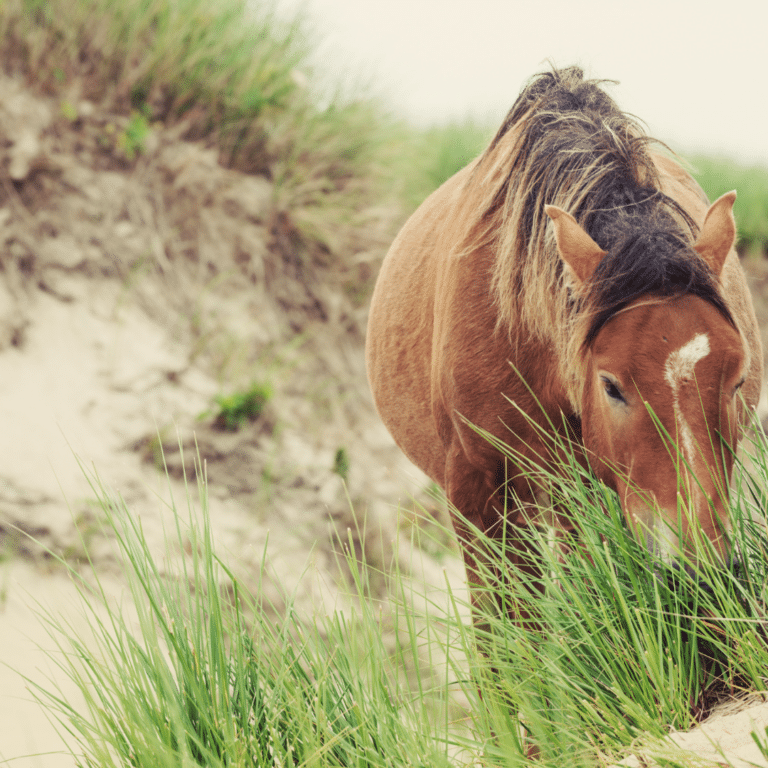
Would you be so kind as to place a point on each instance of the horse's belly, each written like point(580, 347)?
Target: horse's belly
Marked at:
point(399, 351)
point(399, 356)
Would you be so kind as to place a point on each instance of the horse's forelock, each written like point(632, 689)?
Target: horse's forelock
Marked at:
point(657, 263)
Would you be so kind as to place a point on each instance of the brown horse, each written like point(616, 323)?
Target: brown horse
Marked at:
point(571, 280)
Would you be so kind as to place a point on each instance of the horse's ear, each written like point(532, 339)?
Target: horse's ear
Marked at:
point(577, 249)
point(718, 233)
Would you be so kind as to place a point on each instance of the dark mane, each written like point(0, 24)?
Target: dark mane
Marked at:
point(565, 142)
point(646, 254)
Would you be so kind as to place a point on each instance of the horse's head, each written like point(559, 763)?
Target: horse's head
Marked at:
point(660, 410)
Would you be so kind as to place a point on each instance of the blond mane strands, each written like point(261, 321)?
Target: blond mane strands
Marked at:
point(564, 143)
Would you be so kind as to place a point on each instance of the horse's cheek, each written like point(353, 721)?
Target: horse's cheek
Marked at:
point(595, 439)
point(606, 443)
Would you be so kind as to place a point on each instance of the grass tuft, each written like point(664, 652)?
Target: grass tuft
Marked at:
point(618, 645)
point(616, 649)
point(218, 65)
point(210, 674)
point(237, 409)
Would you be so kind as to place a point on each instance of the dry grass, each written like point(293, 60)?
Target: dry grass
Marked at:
point(127, 83)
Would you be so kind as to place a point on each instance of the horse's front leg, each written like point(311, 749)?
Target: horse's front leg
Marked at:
point(492, 522)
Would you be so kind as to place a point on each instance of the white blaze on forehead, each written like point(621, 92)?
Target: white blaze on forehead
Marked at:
point(679, 366)
point(681, 362)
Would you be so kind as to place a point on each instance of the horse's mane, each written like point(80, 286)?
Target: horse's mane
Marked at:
point(566, 143)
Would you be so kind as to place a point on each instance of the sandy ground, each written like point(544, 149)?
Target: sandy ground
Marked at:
point(88, 387)
point(26, 650)
point(67, 395)
point(724, 739)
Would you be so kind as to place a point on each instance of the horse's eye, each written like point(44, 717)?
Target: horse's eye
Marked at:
point(738, 386)
point(612, 390)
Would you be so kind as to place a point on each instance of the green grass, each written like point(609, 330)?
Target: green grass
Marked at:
point(618, 651)
point(620, 647)
point(439, 152)
point(239, 408)
point(220, 65)
point(234, 75)
point(210, 54)
point(211, 674)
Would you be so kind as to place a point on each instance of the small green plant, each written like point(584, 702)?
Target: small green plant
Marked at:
point(131, 141)
point(237, 409)
point(69, 111)
point(341, 463)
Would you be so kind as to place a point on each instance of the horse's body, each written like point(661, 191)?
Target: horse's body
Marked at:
point(491, 312)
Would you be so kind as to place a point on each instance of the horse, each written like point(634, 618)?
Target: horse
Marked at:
point(572, 282)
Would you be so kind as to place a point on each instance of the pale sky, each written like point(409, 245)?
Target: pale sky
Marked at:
point(695, 72)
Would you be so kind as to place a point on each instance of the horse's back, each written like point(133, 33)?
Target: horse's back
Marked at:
point(401, 327)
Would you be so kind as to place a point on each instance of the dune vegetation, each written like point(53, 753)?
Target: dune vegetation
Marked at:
point(238, 75)
point(619, 649)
